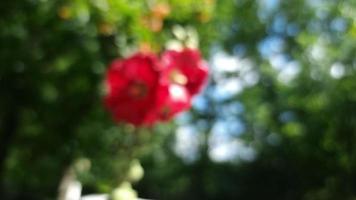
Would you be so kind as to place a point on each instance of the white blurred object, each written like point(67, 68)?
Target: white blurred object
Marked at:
point(337, 70)
point(136, 171)
point(99, 197)
point(70, 188)
point(96, 197)
point(74, 191)
point(124, 192)
point(174, 45)
point(179, 32)
point(184, 37)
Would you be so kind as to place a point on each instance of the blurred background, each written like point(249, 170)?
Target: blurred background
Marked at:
point(276, 121)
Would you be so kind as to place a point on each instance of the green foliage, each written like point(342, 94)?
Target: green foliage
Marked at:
point(53, 57)
point(299, 116)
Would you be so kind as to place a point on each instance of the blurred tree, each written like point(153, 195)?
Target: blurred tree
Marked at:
point(296, 67)
point(290, 109)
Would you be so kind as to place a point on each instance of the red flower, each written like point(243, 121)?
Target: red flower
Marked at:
point(132, 85)
point(185, 68)
point(142, 92)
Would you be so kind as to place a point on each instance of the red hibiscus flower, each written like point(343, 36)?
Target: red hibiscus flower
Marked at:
point(185, 68)
point(132, 86)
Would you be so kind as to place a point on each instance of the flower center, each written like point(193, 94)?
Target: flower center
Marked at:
point(164, 112)
point(137, 89)
point(178, 77)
